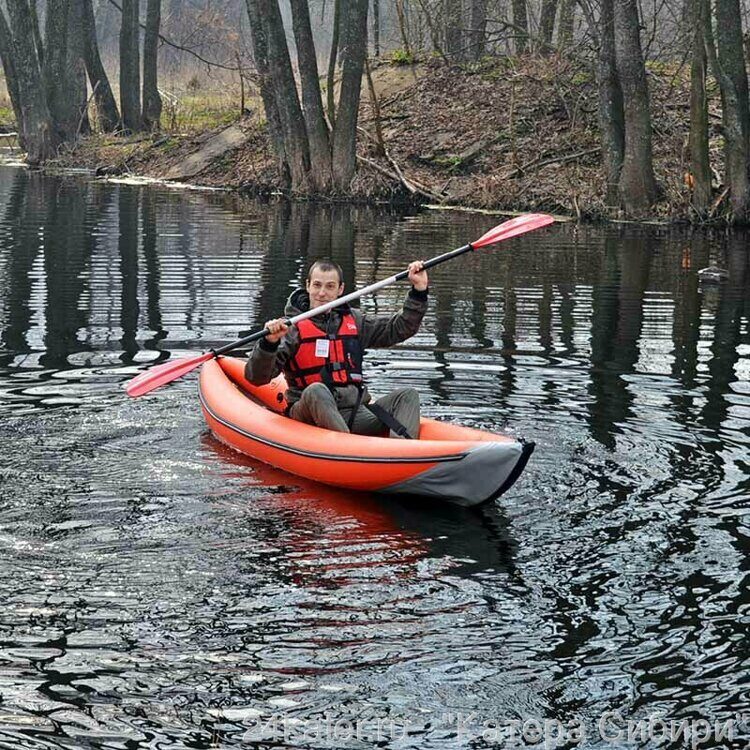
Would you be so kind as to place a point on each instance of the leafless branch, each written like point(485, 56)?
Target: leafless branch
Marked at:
point(174, 45)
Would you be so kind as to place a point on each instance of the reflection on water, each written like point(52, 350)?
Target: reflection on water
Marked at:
point(161, 591)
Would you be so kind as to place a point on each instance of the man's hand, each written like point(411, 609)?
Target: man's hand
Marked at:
point(278, 328)
point(417, 275)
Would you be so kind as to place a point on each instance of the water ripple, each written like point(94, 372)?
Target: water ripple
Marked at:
point(162, 591)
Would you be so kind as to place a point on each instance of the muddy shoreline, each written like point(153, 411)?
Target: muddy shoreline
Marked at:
point(501, 137)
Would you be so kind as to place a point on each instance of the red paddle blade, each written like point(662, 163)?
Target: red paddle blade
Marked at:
point(512, 228)
point(163, 374)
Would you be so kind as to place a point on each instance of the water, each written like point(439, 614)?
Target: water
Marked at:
point(160, 591)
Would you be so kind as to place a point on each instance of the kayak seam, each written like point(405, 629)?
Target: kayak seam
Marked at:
point(327, 456)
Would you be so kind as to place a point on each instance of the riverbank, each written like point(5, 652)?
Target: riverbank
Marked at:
point(504, 134)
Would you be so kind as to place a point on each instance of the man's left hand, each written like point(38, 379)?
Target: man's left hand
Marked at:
point(417, 275)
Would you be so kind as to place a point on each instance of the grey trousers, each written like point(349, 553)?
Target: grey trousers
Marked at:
point(317, 406)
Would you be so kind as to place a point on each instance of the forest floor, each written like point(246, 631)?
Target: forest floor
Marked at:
point(504, 134)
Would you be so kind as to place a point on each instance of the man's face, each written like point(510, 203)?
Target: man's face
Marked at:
point(323, 286)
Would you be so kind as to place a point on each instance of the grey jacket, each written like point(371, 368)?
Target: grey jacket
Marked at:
point(268, 360)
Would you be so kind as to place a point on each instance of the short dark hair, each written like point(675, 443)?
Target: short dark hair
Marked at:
point(325, 265)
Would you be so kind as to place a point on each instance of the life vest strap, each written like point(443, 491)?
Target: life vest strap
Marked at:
point(389, 420)
point(331, 336)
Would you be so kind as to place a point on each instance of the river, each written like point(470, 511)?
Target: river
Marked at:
point(160, 591)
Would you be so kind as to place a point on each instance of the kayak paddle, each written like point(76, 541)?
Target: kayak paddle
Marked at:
point(162, 374)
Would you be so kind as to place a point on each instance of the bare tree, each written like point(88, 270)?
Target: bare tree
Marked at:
point(730, 72)
point(521, 23)
point(77, 67)
point(376, 27)
point(344, 146)
point(36, 29)
point(547, 24)
point(106, 107)
point(438, 34)
point(452, 26)
point(283, 85)
point(332, 56)
point(611, 114)
point(259, 40)
point(637, 184)
point(317, 130)
point(130, 76)
point(173, 27)
point(565, 24)
point(56, 74)
point(402, 26)
point(699, 156)
point(151, 96)
point(478, 29)
point(317, 161)
point(11, 81)
point(38, 135)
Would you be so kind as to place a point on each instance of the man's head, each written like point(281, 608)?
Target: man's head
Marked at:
point(325, 282)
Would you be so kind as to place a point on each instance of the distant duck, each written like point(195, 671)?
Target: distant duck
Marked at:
point(712, 275)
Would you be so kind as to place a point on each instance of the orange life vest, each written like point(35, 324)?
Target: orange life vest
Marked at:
point(341, 366)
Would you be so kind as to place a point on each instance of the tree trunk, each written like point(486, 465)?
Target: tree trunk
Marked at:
point(38, 134)
point(699, 157)
point(547, 24)
point(285, 93)
point(331, 77)
point(59, 79)
point(11, 80)
point(375, 104)
point(312, 105)
point(108, 19)
point(403, 31)
point(77, 65)
point(435, 32)
point(732, 77)
point(130, 75)
point(173, 29)
point(478, 31)
point(259, 42)
point(611, 115)
point(565, 25)
point(376, 27)
point(637, 184)
point(452, 23)
point(37, 32)
point(106, 106)
point(521, 23)
point(354, 27)
point(151, 97)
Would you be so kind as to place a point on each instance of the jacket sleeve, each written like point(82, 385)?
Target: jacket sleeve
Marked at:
point(266, 360)
point(387, 331)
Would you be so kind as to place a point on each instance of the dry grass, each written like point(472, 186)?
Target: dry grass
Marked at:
point(7, 117)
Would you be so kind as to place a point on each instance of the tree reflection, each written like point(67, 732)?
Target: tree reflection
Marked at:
point(22, 246)
point(730, 311)
point(152, 268)
point(127, 247)
point(617, 316)
point(66, 262)
point(299, 234)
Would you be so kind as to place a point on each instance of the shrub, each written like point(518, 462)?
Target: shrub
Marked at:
point(401, 57)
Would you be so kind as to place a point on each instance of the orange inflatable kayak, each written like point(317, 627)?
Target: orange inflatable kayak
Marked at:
point(448, 462)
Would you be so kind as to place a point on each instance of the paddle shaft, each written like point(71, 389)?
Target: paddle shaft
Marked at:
point(346, 298)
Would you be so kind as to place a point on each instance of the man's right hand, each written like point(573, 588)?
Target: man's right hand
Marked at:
point(277, 329)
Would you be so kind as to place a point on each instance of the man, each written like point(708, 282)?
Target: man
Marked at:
point(321, 357)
